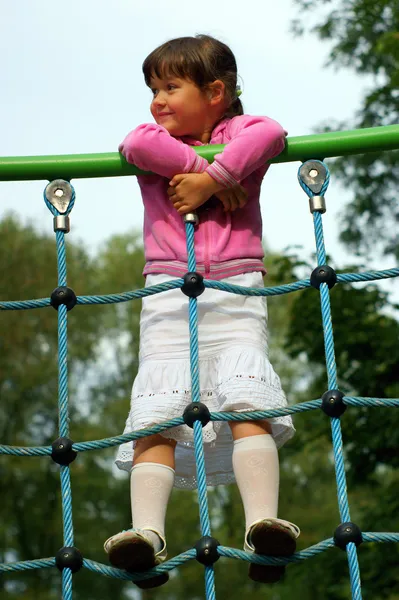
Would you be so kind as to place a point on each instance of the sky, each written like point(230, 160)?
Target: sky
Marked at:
point(71, 83)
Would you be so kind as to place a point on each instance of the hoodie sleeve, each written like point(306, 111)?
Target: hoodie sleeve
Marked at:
point(150, 147)
point(254, 141)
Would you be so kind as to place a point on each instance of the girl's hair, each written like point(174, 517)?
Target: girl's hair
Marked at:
point(202, 59)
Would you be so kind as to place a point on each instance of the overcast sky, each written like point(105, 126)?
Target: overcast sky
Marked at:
point(71, 82)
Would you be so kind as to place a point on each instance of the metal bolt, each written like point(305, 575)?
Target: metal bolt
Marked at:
point(313, 172)
point(59, 193)
point(206, 551)
point(195, 409)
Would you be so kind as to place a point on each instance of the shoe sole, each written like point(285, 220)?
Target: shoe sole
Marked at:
point(137, 556)
point(270, 541)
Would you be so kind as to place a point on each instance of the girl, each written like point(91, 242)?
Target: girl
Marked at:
point(195, 101)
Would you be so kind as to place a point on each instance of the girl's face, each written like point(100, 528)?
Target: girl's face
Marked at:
point(180, 106)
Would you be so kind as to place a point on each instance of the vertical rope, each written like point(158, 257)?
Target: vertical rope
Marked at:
point(66, 584)
point(66, 491)
point(210, 583)
point(328, 336)
point(336, 431)
point(318, 231)
point(354, 572)
point(195, 393)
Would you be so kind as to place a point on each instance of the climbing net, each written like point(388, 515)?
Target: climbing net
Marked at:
point(59, 196)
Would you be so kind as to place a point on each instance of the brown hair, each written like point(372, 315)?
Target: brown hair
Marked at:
point(202, 59)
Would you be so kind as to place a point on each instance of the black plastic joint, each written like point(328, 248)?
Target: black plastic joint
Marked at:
point(323, 274)
point(207, 550)
point(346, 533)
point(196, 411)
point(193, 285)
point(63, 453)
point(69, 557)
point(332, 403)
point(63, 295)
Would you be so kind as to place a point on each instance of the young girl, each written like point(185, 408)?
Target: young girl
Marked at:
point(195, 101)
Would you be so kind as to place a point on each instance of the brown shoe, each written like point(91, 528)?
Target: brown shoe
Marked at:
point(270, 537)
point(132, 551)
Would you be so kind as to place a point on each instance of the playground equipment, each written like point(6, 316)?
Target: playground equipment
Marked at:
point(314, 178)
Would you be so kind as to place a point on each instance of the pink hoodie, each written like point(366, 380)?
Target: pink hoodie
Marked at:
point(226, 243)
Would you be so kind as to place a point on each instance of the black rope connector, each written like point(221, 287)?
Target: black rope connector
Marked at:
point(332, 403)
point(69, 557)
point(63, 453)
point(207, 550)
point(63, 295)
point(323, 274)
point(346, 533)
point(193, 285)
point(196, 411)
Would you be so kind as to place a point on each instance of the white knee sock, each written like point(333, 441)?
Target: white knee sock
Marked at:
point(150, 488)
point(256, 469)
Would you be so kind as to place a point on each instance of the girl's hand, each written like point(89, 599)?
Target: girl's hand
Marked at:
point(232, 198)
point(188, 191)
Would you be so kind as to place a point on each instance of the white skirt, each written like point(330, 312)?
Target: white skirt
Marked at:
point(235, 373)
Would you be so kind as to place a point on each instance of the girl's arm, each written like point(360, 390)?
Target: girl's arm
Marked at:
point(254, 141)
point(151, 148)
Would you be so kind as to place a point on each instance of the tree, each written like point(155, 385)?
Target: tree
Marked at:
point(367, 365)
point(30, 512)
point(365, 38)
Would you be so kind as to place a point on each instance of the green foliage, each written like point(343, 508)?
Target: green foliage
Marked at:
point(30, 511)
point(365, 38)
point(366, 342)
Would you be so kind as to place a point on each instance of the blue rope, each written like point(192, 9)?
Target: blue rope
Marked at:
point(66, 491)
point(66, 584)
point(215, 416)
point(332, 384)
point(195, 391)
point(372, 537)
point(216, 285)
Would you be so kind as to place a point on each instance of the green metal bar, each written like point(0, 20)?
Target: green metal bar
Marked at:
point(112, 164)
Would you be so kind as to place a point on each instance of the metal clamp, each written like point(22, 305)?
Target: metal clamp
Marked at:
point(317, 204)
point(191, 218)
point(62, 223)
point(313, 173)
point(59, 194)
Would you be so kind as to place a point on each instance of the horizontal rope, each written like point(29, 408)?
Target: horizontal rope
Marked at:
point(253, 415)
point(165, 567)
point(368, 276)
point(127, 437)
point(372, 402)
point(277, 290)
point(368, 537)
point(27, 565)
point(25, 304)
point(270, 560)
point(217, 285)
point(215, 416)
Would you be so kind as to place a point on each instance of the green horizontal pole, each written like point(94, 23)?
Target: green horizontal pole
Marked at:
point(112, 164)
